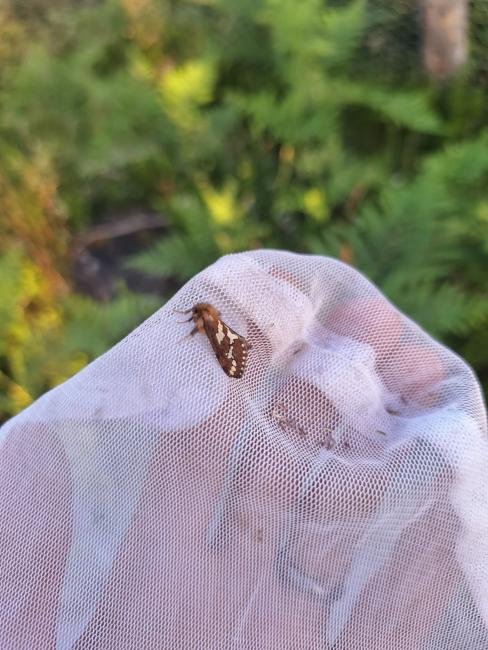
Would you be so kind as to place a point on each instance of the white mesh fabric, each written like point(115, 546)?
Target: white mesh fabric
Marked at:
point(334, 497)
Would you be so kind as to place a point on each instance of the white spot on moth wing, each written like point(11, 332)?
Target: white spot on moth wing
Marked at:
point(229, 353)
point(232, 337)
point(220, 336)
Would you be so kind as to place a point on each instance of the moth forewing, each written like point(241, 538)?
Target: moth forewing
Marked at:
point(230, 348)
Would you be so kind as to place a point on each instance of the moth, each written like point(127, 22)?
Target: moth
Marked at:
point(230, 348)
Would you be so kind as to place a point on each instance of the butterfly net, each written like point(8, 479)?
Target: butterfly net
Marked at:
point(335, 496)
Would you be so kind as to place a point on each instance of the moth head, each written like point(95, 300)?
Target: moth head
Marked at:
point(202, 308)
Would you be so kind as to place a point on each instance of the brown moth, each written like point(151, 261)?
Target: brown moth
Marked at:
point(230, 348)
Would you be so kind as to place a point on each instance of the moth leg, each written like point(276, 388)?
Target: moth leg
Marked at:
point(185, 321)
point(194, 331)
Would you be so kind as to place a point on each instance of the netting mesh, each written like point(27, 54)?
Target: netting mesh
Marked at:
point(334, 497)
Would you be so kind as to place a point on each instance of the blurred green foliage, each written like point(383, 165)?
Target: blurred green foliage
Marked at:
point(302, 125)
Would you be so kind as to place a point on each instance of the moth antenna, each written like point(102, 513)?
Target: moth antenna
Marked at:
point(186, 311)
point(184, 321)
